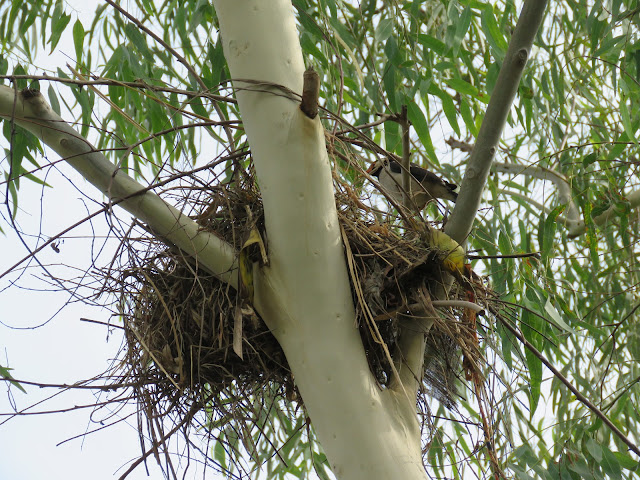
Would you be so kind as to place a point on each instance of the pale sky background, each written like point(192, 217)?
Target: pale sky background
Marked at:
point(66, 349)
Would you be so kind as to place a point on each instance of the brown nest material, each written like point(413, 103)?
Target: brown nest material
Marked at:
point(179, 321)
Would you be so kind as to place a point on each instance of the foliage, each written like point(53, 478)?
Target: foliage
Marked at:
point(577, 114)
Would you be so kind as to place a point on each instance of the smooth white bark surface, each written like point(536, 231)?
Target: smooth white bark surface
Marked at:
point(475, 178)
point(34, 114)
point(304, 295)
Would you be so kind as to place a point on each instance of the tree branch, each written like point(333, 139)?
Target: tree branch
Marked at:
point(29, 110)
point(580, 227)
point(558, 179)
point(464, 213)
point(581, 398)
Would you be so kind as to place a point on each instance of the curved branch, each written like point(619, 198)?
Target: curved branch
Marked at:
point(459, 225)
point(29, 110)
point(580, 226)
point(558, 179)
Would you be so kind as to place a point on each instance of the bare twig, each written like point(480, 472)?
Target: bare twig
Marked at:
point(406, 155)
point(584, 400)
point(118, 83)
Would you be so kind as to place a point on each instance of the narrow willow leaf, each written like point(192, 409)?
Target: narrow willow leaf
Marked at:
point(53, 99)
point(78, 40)
point(421, 127)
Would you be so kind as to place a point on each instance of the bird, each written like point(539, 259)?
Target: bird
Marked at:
point(425, 185)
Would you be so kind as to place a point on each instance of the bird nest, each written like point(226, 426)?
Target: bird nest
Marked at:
point(180, 322)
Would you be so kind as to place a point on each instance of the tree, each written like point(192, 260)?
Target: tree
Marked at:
point(297, 274)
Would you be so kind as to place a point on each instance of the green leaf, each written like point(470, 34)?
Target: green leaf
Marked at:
point(137, 40)
point(389, 83)
point(580, 467)
point(4, 373)
point(392, 136)
point(626, 461)
point(53, 99)
point(555, 317)
point(546, 234)
point(534, 366)
point(610, 464)
point(493, 34)
point(421, 127)
point(78, 39)
point(589, 159)
point(594, 449)
point(467, 116)
point(461, 27)
point(433, 44)
point(59, 23)
point(450, 112)
point(384, 30)
point(533, 327)
point(626, 121)
point(462, 86)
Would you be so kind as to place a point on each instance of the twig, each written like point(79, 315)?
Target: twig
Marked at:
point(140, 85)
point(584, 400)
point(406, 154)
point(513, 255)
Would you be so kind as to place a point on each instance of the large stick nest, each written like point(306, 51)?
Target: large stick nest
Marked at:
point(179, 320)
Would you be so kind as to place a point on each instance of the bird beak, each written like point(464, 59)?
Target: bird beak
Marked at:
point(374, 168)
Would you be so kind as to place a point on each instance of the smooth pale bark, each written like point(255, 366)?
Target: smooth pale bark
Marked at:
point(304, 295)
point(475, 178)
point(32, 112)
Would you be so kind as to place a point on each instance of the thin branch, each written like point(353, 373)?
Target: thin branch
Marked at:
point(72, 386)
point(140, 85)
point(584, 400)
point(513, 255)
point(406, 154)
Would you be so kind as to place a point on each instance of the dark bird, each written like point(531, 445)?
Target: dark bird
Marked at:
point(425, 185)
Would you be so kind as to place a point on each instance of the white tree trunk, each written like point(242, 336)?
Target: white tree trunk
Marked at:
point(304, 295)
